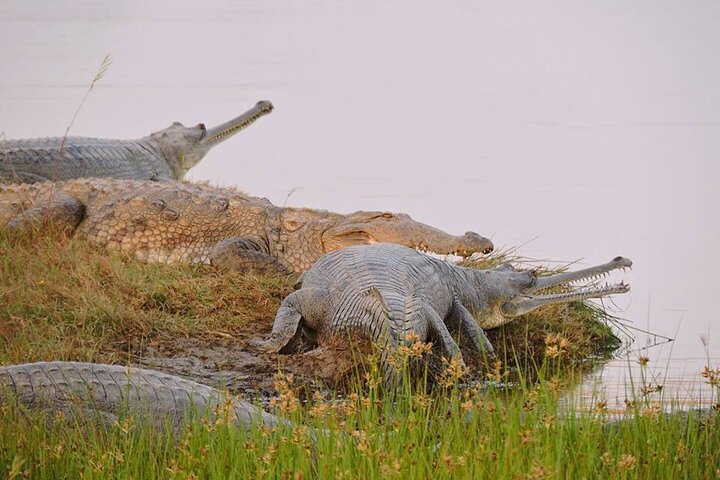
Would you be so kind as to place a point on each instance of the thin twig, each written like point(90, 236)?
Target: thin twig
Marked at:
point(104, 65)
point(287, 197)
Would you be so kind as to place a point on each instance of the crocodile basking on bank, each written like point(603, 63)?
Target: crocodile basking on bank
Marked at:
point(176, 221)
point(109, 390)
point(395, 295)
point(167, 154)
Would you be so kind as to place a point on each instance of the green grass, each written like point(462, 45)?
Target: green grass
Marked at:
point(62, 299)
point(473, 433)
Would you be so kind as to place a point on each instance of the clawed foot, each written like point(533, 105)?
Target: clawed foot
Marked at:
point(263, 345)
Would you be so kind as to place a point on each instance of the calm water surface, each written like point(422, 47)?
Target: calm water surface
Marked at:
point(590, 128)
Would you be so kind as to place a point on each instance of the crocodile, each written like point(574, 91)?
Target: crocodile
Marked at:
point(110, 390)
point(178, 221)
point(166, 154)
point(395, 295)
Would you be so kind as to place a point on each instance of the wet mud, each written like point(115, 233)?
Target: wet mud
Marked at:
point(236, 365)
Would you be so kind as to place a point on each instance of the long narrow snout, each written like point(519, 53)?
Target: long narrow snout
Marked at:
point(521, 305)
point(226, 130)
point(526, 303)
point(584, 274)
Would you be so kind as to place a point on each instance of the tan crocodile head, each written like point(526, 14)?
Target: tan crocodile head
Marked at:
point(308, 234)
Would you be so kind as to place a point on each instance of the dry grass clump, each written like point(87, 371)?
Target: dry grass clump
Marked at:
point(64, 299)
point(576, 333)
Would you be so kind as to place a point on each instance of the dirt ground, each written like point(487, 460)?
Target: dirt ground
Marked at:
point(240, 367)
point(237, 365)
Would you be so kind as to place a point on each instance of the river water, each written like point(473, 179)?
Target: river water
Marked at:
point(579, 130)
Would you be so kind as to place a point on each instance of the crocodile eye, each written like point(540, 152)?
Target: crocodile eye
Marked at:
point(387, 215)
point(202, 129)
point(290, 225)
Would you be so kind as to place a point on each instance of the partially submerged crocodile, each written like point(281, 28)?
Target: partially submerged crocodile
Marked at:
point(175, 221)
point(395, 295)
point(167, 154)
point(110, 390)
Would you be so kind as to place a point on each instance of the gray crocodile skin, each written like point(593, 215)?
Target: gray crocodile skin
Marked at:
point(112, 389)
point(37, 159)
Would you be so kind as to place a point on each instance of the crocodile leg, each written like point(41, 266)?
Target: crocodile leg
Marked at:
point(448, 346)
point(390, 340)
point(461, 319)
point(307, 305)
point(57, 209)
point(245, 254)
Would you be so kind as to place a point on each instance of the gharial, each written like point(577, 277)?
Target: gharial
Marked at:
point(167, 154)
point(176, 221)
point(111, 390)
point(396, 295)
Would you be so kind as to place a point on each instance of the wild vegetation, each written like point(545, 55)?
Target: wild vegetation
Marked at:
point(63, 299)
